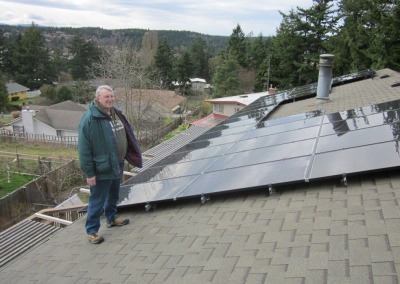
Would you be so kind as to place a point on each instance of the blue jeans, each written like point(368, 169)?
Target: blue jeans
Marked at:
point(104, 195)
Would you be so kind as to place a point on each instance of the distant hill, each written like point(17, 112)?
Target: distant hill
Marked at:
point(57, 37)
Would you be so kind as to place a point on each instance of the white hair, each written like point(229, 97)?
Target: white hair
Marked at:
point(103, 87)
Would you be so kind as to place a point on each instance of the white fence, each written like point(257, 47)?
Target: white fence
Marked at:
point(34, 94)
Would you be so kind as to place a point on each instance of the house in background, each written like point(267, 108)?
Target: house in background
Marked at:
point(16, 91)
point(156, 103)
point(228, 106)
point(60, 120)
point(198, 84)
point(195, 84)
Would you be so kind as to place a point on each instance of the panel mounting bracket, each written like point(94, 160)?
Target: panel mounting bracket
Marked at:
point(204, 199)
point(148, 207)
point(344, 180)
point(271, 190)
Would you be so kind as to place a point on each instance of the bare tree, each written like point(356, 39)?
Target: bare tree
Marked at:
point(130, 75)
point(149, 47)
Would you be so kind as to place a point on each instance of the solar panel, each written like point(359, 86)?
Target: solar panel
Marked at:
point(246, 151)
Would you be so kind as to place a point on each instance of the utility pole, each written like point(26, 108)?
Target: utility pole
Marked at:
point(269, 69)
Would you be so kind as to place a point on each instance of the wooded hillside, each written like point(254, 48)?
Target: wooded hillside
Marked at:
point(59, 37)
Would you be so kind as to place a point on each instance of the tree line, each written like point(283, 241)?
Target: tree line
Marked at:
point(361, 35)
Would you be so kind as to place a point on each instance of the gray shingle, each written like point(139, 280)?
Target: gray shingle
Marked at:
point(319, 232)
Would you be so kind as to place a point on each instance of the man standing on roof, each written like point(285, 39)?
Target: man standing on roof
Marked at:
point(105, 140)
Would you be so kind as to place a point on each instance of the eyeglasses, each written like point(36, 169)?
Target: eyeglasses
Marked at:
point(107, 97)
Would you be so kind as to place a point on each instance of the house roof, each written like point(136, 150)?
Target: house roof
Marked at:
point(168, 99)
point(198, 80)
point(243, 100)
point(210, 120)
point(62, 116)
point(316, 232)
point(13, 88)
point(356, 94)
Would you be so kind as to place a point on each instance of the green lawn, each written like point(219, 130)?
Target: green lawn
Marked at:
point(17, 181)
point(175, 132)
point(39, 149)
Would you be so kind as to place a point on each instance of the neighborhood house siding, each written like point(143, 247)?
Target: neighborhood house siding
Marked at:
point(20, 95)
point(198, 84)
point(69, 133)
point(231, 109)
point(42, 128)
point(16, 90)
point(37, 127)
point(227, 109)
point(219, 108)
point(60, 120)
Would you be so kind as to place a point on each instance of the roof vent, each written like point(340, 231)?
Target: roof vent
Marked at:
point(384, 76)
point(325, 76)
point(395, 84)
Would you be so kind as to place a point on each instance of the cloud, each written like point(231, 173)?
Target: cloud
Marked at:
point(207, 17)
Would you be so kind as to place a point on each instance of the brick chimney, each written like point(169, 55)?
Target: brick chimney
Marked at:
point(272, 91)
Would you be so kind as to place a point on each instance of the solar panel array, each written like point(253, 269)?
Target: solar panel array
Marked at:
point(247, 151)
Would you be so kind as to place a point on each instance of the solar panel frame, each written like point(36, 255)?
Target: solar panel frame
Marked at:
point(248, 151)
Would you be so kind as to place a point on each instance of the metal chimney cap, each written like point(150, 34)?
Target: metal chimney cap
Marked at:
point(327, 55)
point(326, 60)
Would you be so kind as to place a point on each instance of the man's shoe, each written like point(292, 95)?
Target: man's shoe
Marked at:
point(95, 238)
point(119, 221)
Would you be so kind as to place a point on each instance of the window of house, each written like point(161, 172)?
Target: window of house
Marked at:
point(237, 109)
point(18, 129)
point(218, 108)
point(59, 134)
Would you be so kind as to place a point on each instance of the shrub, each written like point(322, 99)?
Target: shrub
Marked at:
point(16, 114)
point(15, 98)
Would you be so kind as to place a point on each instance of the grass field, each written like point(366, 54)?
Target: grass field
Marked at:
point(39, 149)
point(17, 181)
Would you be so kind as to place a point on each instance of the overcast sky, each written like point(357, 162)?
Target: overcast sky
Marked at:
point(212, 17)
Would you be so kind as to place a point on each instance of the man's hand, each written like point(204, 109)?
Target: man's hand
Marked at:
point(91, 181)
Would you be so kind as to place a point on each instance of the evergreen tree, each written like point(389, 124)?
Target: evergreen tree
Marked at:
point(85, 53)
point(263, 76)
point(59, 63)
point(301, 38)
point(237, 46)
point(315, 25)
point(164, 64)
point(257, 52)
point(3, 51)
point(3, 95)
point(199, 59)
point(184, 70)
point(288, 50)
point(369, 36)
point(260, 59)
point(7, 47)
point(354, 36)
point(226, 78)
point(31, 60)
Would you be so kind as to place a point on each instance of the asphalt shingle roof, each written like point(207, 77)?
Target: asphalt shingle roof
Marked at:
point(13, 88)
point(317, 232)
point(62, 116)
